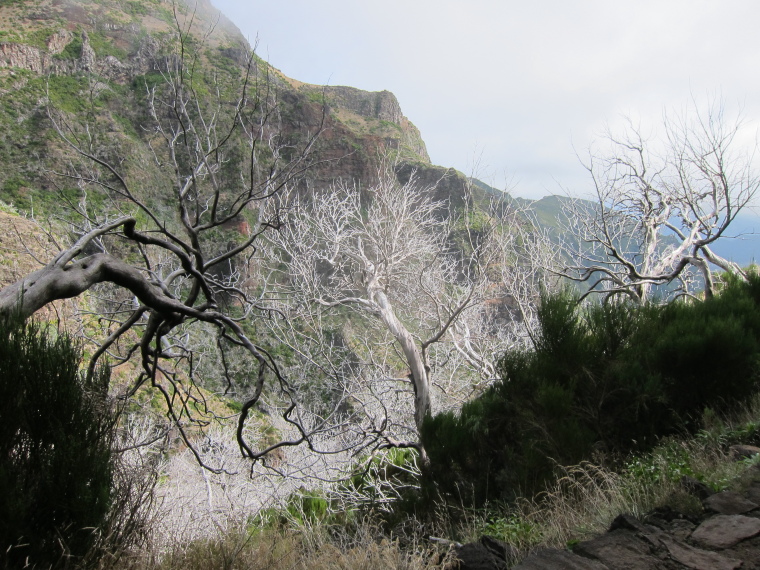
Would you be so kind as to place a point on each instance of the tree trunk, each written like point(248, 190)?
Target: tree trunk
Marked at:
point(419, 372)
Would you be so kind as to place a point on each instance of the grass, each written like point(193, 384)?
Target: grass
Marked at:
point(306, 547)
point(582, 502)
point(586, 498)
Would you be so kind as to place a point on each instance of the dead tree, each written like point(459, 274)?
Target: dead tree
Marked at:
point(397, 284)
point(659, 207)
point(176, 225)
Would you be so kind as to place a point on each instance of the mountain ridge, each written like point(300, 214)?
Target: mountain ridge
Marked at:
point(51, 49)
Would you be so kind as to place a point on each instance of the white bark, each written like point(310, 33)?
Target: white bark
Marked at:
point(379, 265)
point(659, 207)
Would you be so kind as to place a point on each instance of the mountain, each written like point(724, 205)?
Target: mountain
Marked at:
point(108, 52)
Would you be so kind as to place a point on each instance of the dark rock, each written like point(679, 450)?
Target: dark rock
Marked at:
point(681, 529)
point(729, 503)
point(698, 559)
point(724, 531)
point(621, 549)
point(498, 547)
point(487, 554)
point(627, 522)
point(748, 551)
point(753, 492)
point(553, 559)
point(671, 521)
point(666, 514)
point(739, 452)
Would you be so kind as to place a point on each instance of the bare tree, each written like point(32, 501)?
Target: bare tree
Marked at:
point(659, 208)
point(385, 290)
point(217, 155)
point(168, 261)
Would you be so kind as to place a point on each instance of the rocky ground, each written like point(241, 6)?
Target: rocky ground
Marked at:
point(725, 537)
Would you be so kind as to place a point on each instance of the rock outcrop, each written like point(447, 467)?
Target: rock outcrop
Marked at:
point(726, 537)
point(121, 43)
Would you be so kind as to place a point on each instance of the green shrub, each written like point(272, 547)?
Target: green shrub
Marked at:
point(55, 451)
point(73, 49)
point(610, 378)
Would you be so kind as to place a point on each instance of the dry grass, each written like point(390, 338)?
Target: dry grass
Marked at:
point(586, 498)
point(293, 549)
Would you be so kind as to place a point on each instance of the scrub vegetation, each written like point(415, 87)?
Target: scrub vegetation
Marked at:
point(289, 341)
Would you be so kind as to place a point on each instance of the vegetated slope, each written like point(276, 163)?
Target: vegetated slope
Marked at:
point(98, 59)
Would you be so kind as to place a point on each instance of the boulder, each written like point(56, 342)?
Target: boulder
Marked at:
point(724, 531)
point(553, 559)
point(486, 554)
point(729, 503)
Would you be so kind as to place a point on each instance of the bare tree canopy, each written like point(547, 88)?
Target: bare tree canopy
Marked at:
point(659, 207)
point(393, 296)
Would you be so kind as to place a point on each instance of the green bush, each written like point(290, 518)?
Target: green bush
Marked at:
point(610, 378)
point(55, 449)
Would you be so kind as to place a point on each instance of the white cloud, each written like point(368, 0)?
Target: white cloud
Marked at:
point(518, 83)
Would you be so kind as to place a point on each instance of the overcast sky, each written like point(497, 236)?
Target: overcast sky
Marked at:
point(517, 87)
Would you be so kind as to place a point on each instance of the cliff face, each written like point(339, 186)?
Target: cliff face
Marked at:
point(57, 49)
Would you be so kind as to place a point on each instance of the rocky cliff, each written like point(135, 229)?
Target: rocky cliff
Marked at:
point(56, 50)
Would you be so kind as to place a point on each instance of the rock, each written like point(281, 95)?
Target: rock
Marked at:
point(724, 531)
point(753, 493)
point(729, 503)
point(739, 452)
point(553, 559)
point(621, 549)
point(627, 522)
point(671, 521)
point(24, 57)
point(665, 515)
point(88, 58)
point(381, 105)
point(697, 558)
point(681, 529)
point(487, 554)
point(498, 547)
point(58, 41)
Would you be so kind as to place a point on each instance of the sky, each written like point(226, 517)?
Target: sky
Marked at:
point(514, 92)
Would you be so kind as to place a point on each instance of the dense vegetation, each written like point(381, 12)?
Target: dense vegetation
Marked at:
point(605, 379)
point(55, 449)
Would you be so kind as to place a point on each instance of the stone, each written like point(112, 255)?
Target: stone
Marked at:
point(671, 521)
point(58, 41)
point(88, 57)
point(753, 492)
point(628, 522)
point(553, 559)
point(696, 487)
point(621, 549)
point(698, 559)
point(681, 529)
point(487, 554)
point(729, 503)
point(739, 452)
point(724, 531)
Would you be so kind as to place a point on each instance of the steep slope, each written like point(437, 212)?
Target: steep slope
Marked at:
point(99, 57)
